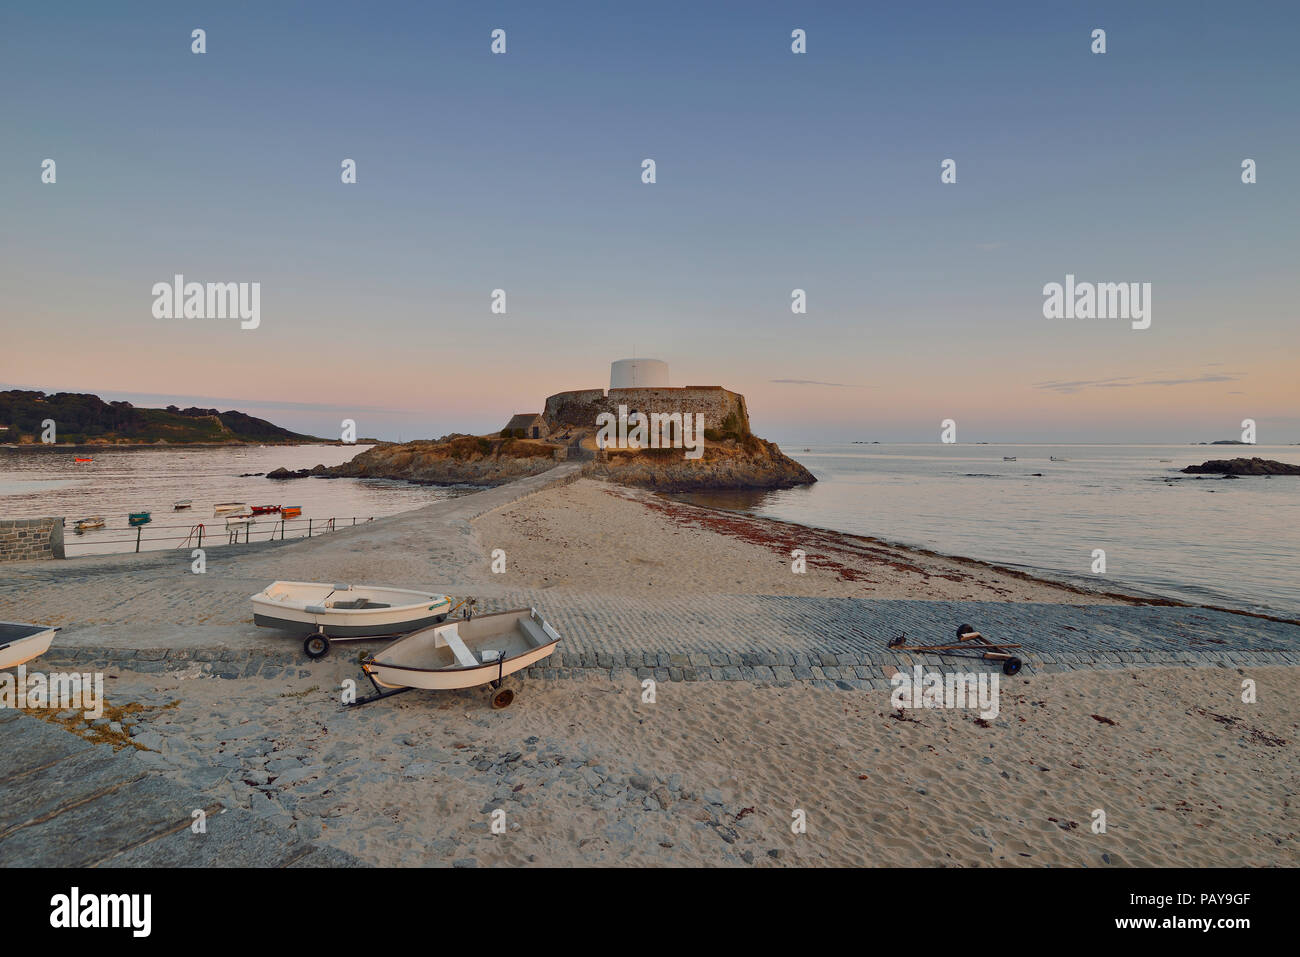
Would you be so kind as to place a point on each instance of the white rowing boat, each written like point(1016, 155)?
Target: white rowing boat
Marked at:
point(21, 642)
point(345, 611)
point(233, 521)
point(222, 507)
point(465, 653)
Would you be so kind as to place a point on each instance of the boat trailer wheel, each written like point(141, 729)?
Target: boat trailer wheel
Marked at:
point(316, 646)
point(1011, 666)
point(502, 699)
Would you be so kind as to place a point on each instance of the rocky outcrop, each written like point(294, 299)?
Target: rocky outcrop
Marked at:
point(1255, 466)
point(742, 461)
point(749, 462)
point(465, 460)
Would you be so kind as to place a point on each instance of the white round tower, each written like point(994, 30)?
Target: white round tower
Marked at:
point(638, 374)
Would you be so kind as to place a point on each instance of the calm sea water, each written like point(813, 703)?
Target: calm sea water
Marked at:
point(1229, 542)
point(35, 482)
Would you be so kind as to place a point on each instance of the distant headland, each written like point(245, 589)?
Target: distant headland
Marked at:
point(83, 419)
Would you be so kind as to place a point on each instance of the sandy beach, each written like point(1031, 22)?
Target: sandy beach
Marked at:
point(596, 537)
point(1131, 710)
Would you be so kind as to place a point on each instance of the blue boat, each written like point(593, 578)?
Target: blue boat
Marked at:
point(139, 518)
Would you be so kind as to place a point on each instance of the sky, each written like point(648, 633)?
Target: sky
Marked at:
point(775, 171)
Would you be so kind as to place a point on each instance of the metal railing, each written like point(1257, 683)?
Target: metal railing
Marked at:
point(195, 534)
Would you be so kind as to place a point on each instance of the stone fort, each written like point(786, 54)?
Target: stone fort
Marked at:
point(642, 386)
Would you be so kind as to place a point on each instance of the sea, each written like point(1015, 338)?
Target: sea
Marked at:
point(1206, 540)
point(1201, 539)
point(118, 481)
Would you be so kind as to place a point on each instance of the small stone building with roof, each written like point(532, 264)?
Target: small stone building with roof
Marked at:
point(532, 423)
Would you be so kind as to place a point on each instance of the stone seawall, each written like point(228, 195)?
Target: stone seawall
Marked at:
point(580, 408)
point(23, 539)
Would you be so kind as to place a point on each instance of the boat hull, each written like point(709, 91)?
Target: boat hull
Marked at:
point(415, 661)
point(303, 608)
point(21, 643)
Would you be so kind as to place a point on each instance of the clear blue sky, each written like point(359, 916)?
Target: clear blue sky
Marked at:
point(775, 171)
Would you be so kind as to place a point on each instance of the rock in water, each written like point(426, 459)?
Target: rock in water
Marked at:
point(1255, 466)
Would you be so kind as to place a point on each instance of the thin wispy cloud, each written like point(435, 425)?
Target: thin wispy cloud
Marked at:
point(1066, 387)
point(837, 385)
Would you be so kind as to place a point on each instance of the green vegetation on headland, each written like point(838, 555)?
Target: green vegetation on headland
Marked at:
point(85, 419)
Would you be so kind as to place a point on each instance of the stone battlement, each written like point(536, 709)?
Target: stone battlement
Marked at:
point(582, 406)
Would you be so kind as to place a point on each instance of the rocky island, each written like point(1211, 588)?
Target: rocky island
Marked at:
point(723, 452)
point(1255, 466)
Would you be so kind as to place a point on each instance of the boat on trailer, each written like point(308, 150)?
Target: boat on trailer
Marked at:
point(477, 650)
point(332, 612)
point(21, 642)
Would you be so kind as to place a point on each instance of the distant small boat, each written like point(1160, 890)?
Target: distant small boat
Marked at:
point(234, 520)
point(83, 460)
point(139, 518)
point(290, 511)
point(222, 507)
point(1008, 458)
point(22, 642)
point(1056, 459)
point(1166, 460)
point(265, 509)
point(183, 503)
point(95, 521)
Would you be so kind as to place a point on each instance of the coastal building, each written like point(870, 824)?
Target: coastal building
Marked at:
point(532, 423)
point(641, 385)
point(638, 374)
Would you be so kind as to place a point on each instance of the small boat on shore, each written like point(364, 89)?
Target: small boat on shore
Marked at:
point(222, 507)
point(140, 518)
point(1057, 459)
point(345, 611)
point(290, 511)
point(85, 524)
point(265, 509)
point(233, 521)
point(182, 504)
point(22, 642)
point(1008, 458)
point(83, 460)
point(462, 654)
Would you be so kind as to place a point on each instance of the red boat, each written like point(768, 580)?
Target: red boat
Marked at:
point(83, 460)
point(265, 509)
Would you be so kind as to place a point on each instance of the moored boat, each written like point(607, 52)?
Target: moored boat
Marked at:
point(465, 653)
point(345, 611)
point(290, 511)
point(235, 520)
point(21, 642)
point(1057, 459)
point(83, 460)
point(140, 518)
point(223, 507)
point(265, 509)
point(183, 503)
point(85, 524)
point(1008, 458)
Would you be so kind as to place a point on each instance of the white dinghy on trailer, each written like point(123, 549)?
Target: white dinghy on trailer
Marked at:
point(334, 612)
point(476, 650)
point(21, 642)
